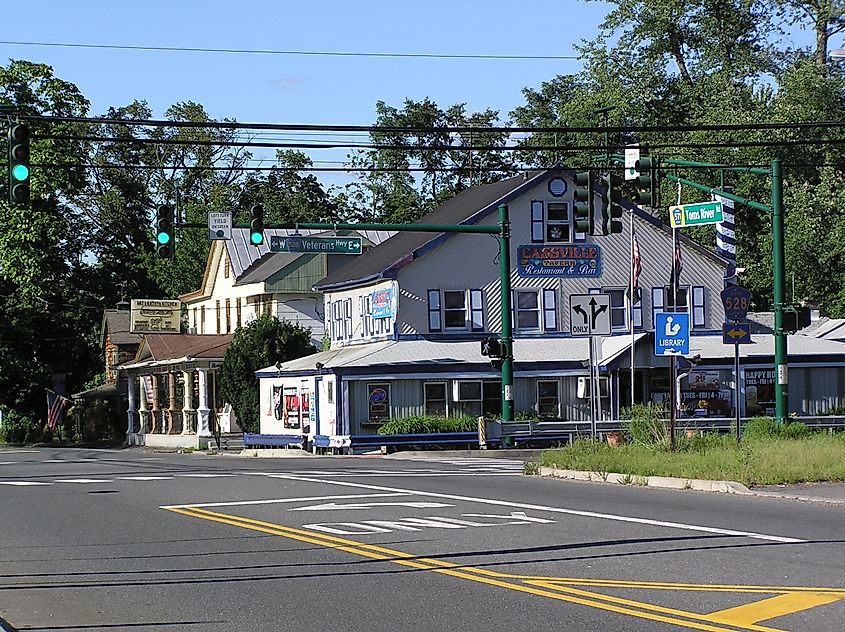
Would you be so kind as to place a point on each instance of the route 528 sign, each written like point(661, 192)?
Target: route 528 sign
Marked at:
point(736, 301)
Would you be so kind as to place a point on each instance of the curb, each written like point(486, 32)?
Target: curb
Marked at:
point(665, 482)
point(5, 626)
point(669, 482)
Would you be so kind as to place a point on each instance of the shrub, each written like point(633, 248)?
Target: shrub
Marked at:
point(423, 424)
point(644, 424)
point(15, 427)
point(768, 428)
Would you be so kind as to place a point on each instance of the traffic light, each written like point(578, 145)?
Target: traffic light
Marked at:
point(646, 181)
point(611, 209)
point(256, 225)
point(165, 242)
point(19, 164)
point(584, 202)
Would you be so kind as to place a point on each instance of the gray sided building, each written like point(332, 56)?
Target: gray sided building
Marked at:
point(406, 320)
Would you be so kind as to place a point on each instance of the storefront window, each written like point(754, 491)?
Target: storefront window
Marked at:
point(435, 398)
point(378, 402)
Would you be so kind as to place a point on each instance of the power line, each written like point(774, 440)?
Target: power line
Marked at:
point(376, 129)
point(310, 53)
point(474, 148)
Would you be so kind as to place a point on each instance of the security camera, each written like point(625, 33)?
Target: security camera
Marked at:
point(278, 366)
point(319, 366)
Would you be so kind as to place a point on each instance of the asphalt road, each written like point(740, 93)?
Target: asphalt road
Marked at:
point(137, 540)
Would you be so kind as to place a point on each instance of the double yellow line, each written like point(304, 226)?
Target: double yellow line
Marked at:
point(786, 601)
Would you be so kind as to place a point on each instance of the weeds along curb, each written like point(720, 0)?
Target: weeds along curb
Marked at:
point(665, 482)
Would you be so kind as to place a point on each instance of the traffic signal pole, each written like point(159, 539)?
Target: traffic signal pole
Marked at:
point(507, 334)
point(778, 260)
point(502, 231)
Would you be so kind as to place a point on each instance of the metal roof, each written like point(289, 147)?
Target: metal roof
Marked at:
point(243, 254)
point(428, 355)
point(763, 347)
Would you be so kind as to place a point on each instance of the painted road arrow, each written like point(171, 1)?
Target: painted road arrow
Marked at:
point(331, 506)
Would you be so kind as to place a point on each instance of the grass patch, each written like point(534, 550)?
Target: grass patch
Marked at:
point(756, 460)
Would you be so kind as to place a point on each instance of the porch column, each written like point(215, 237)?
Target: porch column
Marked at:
point(143, 411)
point(130, 414)
point(203, 428)
point(171, 401)
point(188, 402)
point(154, 413)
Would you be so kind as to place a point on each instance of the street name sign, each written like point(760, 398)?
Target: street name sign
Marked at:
point(326, 245)
point(671, 334)
point(736, 301)
point(589, 314)
point(695, 214)
point(736, 333)
point(219, 226)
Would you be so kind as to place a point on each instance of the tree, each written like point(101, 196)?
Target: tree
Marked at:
point(260, 344)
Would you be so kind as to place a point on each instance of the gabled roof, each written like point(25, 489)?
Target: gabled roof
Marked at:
point(468, 207)
point(255, 264)
point(117, 323)
point(400, 248)
point(159, 347)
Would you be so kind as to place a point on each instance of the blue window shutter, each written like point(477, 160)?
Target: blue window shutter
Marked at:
point(698, 306)
point(550, 320)
point(657, 295)
point(476, 310)
point(434, 323)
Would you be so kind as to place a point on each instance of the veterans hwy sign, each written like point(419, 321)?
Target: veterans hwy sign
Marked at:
point(695, 214)
point(589, 314)
point(671, 334)
point(327, 245)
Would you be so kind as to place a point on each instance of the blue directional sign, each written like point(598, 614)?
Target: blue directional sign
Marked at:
point(671, 334)
point(736, 301)
point(736, 334)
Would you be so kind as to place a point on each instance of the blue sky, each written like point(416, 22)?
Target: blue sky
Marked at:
point(295, 88)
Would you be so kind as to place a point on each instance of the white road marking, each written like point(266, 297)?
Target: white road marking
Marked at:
point(145, 478)
point(207, 475)
point(83, 480)
point(335, 506)
point(562, 510)
point(9, 462)
point(236, 503)
point(23, 483)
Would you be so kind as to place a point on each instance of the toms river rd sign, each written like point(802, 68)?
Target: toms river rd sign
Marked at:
point(695, 214)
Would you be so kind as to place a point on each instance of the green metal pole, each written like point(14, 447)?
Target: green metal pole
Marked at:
point(507, 337)
point(779, 273)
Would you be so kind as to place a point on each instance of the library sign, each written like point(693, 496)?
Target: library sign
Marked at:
point(541, 260)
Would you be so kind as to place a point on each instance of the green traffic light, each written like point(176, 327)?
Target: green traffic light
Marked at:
point(20, 172)
point(163, 238)
point(256, 238)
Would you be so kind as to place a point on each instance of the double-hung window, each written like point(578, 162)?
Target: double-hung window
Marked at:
point(662, 300)
point(548, 398)
point(535, 310)
point(527, 310)
point(434, 397)
point(455, 310)
point(552, 222)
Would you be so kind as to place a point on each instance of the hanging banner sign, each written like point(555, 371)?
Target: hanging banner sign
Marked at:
point(381, 303)
point(155, 316)
point(542, 260)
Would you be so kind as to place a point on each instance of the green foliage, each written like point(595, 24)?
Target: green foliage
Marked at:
point(15, 427)
point(260, 344)
point(645, 424)
point(427, 424)
point(767, 461)
point(768, 428)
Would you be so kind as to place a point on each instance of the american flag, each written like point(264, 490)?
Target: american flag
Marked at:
point(677, 266)
point(636, 268)
point(56, 405)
